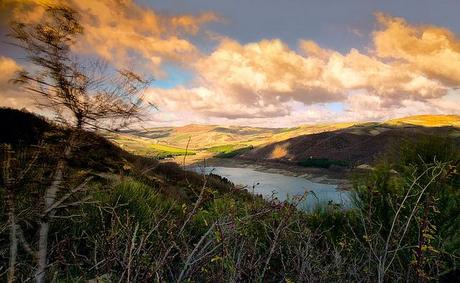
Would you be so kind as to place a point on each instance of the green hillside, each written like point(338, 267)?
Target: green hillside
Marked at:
point(204, 141)
point(147, 147)
point(123, 217)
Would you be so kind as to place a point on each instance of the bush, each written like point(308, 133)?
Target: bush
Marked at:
point(321, 162)
point(412, 200)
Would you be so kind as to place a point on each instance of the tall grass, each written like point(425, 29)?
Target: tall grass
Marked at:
point(162, 224)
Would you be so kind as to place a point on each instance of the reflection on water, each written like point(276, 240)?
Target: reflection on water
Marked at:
point(283, 187)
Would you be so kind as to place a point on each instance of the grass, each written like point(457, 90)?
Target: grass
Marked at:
point(169, 225)
point(147, 147)
point(229, 150)
point(163, 151)
point(226, 141)
point(223, 148)
point(428, 120)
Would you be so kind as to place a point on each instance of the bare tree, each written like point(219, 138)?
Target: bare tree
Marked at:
point(86, 89)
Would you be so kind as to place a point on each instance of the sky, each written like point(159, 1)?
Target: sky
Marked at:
point(267, 63)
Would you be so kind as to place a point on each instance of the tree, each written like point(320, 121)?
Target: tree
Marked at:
point(85, 89)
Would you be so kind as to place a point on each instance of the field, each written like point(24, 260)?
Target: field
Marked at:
point(229, 150)
point(147, 147)
point(428, 120)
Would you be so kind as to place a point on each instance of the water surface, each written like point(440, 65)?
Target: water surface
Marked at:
point(282, 187)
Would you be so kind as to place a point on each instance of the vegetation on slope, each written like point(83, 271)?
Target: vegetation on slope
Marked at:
point(206, 136)
point(321, 162)
point(427, 120)
point(140, 220)
point(220, 140)
point(229, 150)
point(361, 144)
point(202, 137)
point(147, 147)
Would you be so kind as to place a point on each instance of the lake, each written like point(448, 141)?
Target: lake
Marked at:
point(282, 187)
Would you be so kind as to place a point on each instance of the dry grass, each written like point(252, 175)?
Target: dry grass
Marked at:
point(428, 120)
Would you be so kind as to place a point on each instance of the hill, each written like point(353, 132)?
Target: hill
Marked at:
point(198, 137)
point(351, 146)
point(348, 142)
point(122, 217)
point(428, 120)
point(205, 136)
point(96, 154)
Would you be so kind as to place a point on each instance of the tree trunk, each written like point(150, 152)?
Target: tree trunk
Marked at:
point(13, 236)
point(50, 198)
point(11, 212)
point(79, 119)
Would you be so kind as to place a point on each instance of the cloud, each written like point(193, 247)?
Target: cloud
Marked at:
point(10, 94)
point(123, 32)
point(212, 102)
point(253, 80)
point(263, 79)
point(8, 69)
point(355, 70)
point(367, 107)
point(431, 50)
point(117, 29)
point(408, 69)
point(268, 70)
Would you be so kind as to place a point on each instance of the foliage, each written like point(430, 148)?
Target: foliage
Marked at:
point(140, 146)
point(410, 208)
point(139, 220)
point(85, 89)
point(163, 151)
point(229, 150)
point(321, 162)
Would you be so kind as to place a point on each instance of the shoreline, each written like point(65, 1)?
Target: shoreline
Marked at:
point(317, 175)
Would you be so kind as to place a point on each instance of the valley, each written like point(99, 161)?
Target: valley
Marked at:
point(326, 154)
point(341, 145)
point(222, 141)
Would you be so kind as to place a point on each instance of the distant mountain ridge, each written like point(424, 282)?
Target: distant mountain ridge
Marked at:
point(197, 136)
point(428, 120)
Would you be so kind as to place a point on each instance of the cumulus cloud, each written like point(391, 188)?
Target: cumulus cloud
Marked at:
point(8, 69)
point(432, 50)
point(116, 29)
point(408, 69)
point(367, 107)
point(356, 70)
point(212, 102)
point(262, 79)
point(252, 80)
point(268, 69)
point(10, 94)
point(123, 32)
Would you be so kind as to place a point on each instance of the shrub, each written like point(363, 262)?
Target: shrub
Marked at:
point(321, 162)
point(410, 209)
